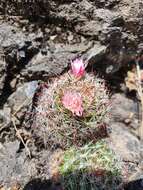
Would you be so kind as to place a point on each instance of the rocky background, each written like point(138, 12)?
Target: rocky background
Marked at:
point(37, 41)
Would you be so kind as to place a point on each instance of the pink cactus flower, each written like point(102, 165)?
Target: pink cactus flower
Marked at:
point(73, 102)
point(77, 67)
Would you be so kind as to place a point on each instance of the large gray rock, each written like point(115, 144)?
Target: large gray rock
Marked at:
point(21, 99)
point(125, 144)
point(16, 48)
point(15, 45)
point(46, 66)
point(10, 35)
point(14, 167)
point(117, 24)
point(124, 110)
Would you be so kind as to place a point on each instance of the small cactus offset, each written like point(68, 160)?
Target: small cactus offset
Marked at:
point(72, 109)
point(92, 166)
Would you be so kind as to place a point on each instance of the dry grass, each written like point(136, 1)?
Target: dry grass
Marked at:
point(140, 93)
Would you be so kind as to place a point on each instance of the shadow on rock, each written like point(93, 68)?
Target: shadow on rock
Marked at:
point(135, 185)
point(99, 180)
point(38, 184)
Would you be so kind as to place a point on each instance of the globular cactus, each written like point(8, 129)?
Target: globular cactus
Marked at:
point(71, 111)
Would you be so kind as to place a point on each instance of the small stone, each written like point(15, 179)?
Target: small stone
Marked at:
point(127, 121)
point(70, 37)
point(53, 37)
point(16, 186)
point(13, 83)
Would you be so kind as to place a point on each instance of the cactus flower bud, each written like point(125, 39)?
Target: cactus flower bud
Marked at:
point(77, 67)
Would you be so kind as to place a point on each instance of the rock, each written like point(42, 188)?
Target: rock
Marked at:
point(15, 51)
point(108, 16)
point(95, 54)
point(2, 75)
point(10, 35)
point(104, 25)
point(92, 28)
point(104, 3)
point(17, 46)
point(46, 66)
point(21, 99)
point(115, 24)
point(126, 145)
point(124, 110)
point(136, 184)
point(14, 167)
point(5, 118)
point(78, 48)
point(123, 140)
point(37, 184)
point(27, 9)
